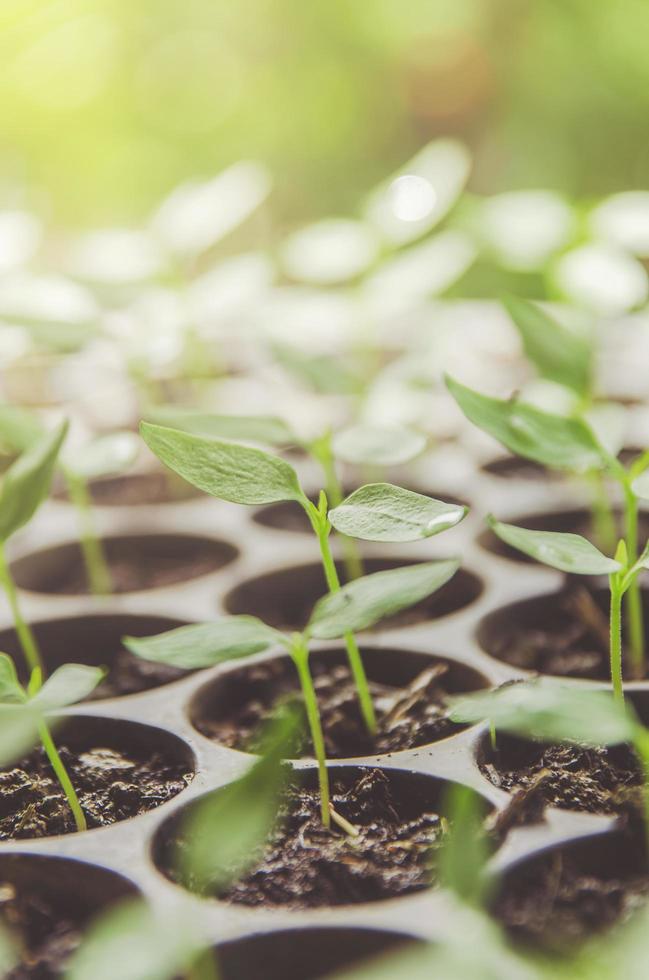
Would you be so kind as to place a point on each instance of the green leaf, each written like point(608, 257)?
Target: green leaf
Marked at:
point(562, 443)
point(376, 445)
point(640, 485)
point(567, 552)
point(383, 512)
point(266, 429)
point(67, 685)
point(19, 428)
point(11, 690)
point(363, 602)
point(147, 943)
point(550, 711)
point(227, 828)
point(463, 857)
point(205, 644)
point(240, 474)
point(18, 731)
point(558, 353)
point(104, 456)
point(27, 482)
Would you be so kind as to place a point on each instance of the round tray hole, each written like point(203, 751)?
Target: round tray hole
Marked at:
point(120, 769)
point(284, 599)
point(137, 489)
point(232, 707)
point(137, 562)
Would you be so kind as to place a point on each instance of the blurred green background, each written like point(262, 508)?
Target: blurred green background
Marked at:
point(107, 104)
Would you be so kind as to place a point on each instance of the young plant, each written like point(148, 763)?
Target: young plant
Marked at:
point(551, 711)
point(24, 716)
point(225, 831)
point(574, 554)
point(368, 446)
point(567, 444)
point(25, 486)
point(244, 475)
point(103, 456)
point(354, 607)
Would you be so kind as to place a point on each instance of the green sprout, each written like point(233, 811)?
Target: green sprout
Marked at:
point(24, 711)
point(551, 711)
point(576, 555)
point(567, 444)
point(245, 475)
point(354, 607)
point(25, 486)
point(103, 456)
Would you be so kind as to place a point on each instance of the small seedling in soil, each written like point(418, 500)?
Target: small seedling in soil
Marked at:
point(226, 833)
point(103, 456)
point(244, 475)
point(25, 486)
point(23, 716)
point(575, 554)
point(354, 607)
point(567, 444)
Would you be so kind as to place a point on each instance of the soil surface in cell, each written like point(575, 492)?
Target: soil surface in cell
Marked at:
point(111, 785)
point(560, 901)
point(517, 468)
point(48, 937)
point(566, 635)
point(307, 866)
point(140, 488)
point(407, 716)
point(591, 780)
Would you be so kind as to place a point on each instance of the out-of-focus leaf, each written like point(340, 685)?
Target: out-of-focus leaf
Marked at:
point(104, 456)
point(67, 685)
point(27, 482)
point(377, 445)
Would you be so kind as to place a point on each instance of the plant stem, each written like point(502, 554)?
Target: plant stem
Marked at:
point(62, 776)
point(616, 639)
point(634, 598)
point(27, 639)
point(300, 655)
point(97, 570)
point(641, 746)
point(204, 968)
point(351, 555)
point(353, 653)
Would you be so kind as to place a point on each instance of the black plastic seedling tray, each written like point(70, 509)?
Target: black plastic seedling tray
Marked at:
point(120, 859)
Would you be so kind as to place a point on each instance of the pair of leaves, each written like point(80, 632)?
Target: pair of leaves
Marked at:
point(27, 482)
point(559, 354)
point(550, 711)
point(21, 712)
point(562, 443)
point(567, 552)
point(357, 606)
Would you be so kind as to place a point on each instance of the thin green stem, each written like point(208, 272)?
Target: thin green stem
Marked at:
point(641, 746)
point(27, 639)
point(634, 611)
point(97, 570)
point(616, 639)
point(300, 655)
point(353, 653)
point(62, 776)
point(321, 449)
point(604, 528)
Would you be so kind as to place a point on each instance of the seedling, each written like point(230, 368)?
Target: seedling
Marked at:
point(25, 486)
point(551, 711)
point(574, 554)
point(356, 606)
point(244, 475)
point(24, 711)
point(104, 456)
point(566, 444)
point(226, 830)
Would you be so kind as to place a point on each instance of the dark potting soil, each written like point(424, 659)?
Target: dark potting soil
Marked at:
point(517, 468)
point(129, 674)
point(407, 716)
point(134, 572)
point(48, 937)
point(601, 780)
point(306, 866)
point(566, 635)
point(135, 489)
point(111, 786)
point(560, 901)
